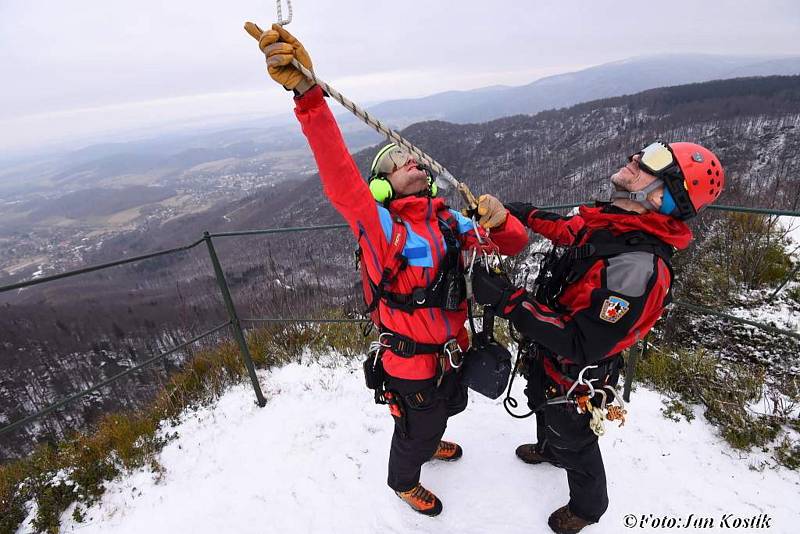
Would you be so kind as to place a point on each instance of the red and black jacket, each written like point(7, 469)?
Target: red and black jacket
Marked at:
point(371, 223)
point(618, 299)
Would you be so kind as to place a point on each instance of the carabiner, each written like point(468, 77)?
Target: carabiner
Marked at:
point(582, 382)
point(450, 352)
point(475, 227)
point(617, 396)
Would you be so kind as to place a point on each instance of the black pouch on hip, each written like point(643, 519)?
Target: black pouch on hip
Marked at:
point(487, 364)
point(374, 375)
point(486, 369)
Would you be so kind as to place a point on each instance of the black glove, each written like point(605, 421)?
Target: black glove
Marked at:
point(491, 289)
point(520, 210)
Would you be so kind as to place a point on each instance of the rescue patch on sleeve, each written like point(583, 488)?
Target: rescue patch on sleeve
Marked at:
point(613, 309)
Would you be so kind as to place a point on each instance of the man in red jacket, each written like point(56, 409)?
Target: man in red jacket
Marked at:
point(422, 307)
point(603, 294)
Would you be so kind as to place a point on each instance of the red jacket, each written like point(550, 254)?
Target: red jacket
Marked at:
point(616, 302)
point(425, 246)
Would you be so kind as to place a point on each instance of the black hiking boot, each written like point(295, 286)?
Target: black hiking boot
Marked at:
point(532, 453)
point(563, 521)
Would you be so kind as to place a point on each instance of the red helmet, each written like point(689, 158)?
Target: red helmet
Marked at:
point(703, 177)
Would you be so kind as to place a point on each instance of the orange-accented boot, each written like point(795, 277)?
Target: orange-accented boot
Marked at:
point(421, 500)
point(447, 451)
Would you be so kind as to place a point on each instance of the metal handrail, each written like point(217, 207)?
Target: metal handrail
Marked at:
point(68, 274)
point(709, 311)
point(279, 230)
point(76, 396)
point(306, 320)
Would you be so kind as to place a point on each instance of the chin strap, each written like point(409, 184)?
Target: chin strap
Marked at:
point(639, 196)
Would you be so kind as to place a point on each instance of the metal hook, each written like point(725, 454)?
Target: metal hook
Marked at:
point(581, 381)
point(617, 396)
point(605, 398)
point(472, 260)
point(450, 352)
point(477, 232)
point(281, 20)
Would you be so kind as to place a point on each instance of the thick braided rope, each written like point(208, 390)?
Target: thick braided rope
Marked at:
point(378, 126)
point(281, 20)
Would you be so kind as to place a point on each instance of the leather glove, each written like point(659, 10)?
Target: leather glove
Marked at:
point(491, 211)
point(520, 210)
point(491, 289)
point(281, 47)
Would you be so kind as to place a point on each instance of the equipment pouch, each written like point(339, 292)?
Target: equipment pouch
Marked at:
point(374, 375)
point(486, 369)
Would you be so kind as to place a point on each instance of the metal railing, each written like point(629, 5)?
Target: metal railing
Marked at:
point(235, 322)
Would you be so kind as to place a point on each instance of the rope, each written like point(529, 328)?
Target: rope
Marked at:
point(378, 126)
point(281, 20)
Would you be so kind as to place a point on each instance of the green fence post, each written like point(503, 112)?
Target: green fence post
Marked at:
point(237, 327)
point(630, 369)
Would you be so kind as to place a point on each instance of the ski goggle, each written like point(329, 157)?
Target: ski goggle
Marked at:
point(657, 159)
point(389, 159)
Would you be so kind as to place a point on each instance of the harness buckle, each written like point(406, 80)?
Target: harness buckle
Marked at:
point(403, 347)
point(637, 196)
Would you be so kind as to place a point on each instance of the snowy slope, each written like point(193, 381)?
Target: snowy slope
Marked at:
point(314, 460)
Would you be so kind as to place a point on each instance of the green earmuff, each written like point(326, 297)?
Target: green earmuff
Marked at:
point(381, 189)
point(432, 187)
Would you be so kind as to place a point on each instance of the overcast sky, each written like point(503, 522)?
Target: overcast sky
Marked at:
point(73, 69)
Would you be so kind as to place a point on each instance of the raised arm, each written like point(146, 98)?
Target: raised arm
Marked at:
point(341, 181)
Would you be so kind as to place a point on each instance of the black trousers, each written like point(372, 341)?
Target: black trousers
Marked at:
point(567, 437)
point(416, 437)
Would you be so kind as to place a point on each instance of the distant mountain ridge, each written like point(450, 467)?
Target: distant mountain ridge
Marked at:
point(247, 141)
point(618, 78)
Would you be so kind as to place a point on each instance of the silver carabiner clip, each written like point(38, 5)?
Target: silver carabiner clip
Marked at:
point(617, 396)
point(477, 233)
point(582, 382)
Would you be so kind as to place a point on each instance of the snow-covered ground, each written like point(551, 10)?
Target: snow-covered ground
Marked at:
point(314, 460)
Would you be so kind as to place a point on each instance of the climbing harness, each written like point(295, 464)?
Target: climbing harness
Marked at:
point(379, 126)
point(580, 394)
point(446, 290)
